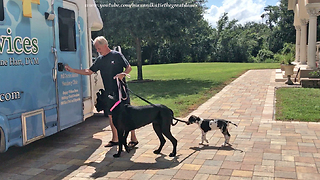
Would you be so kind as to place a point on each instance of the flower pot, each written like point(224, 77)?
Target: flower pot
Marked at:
point(288, 69)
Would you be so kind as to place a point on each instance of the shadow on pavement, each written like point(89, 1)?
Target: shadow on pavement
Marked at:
point(225, 148)
point(57, 155)
point(124, 163)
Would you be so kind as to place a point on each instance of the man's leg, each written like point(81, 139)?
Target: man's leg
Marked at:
point(133, 136)
point(114, 130)
point(134, 140)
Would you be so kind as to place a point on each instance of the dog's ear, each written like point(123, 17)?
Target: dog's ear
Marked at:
point(192, 119)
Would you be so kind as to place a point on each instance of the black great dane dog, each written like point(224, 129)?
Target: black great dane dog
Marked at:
point(126, 118)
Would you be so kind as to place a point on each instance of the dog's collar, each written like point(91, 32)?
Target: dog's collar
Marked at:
point(201, 120)
point(115, 105)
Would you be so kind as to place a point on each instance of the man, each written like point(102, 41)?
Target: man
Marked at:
point(111, 64)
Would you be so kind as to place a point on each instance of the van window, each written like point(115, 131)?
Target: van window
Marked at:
point(1, 11)
point(67, 29)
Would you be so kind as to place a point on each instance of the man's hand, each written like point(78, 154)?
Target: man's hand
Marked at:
point(120, 75)
point(68, 68)
point(78, 71)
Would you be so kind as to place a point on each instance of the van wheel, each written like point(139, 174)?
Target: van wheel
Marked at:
point(2, 141)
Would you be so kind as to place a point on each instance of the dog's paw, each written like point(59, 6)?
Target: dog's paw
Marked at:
point(156, 151)
point(116, 155)
point(128, 149)
point(207, 141)
point(172, 154)
point(226, 144)
point(200, 143)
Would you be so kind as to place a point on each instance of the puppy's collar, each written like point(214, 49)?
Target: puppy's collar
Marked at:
point(200, 122)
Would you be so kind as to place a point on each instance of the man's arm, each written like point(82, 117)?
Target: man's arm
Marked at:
point(128, 69)
point(124, 73)
point(78, 71)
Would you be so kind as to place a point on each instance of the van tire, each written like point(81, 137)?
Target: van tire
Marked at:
point(2, 141)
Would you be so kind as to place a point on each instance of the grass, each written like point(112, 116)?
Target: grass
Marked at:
point(185, 86)
point(298, 104)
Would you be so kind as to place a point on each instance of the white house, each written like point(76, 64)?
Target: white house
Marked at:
point(305, 14)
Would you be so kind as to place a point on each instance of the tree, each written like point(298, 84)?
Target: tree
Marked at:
point(272, 13)
point(236, 43)
point(141, 25)
point(280, 21)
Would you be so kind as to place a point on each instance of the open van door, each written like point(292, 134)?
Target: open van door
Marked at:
point(67, 41)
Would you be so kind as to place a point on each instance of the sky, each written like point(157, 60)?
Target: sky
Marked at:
point(241, 10)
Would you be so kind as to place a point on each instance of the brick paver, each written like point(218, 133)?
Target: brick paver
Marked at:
point(262, 148)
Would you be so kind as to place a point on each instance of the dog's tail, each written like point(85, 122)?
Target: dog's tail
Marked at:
point(178, 120)
point(230, 122)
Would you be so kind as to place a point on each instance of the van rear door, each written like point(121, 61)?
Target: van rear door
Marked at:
point(67, 40)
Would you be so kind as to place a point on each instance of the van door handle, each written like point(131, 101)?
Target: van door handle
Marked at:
point(54, 74)
point(54, 70)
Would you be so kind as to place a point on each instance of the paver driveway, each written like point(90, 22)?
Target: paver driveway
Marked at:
point(262, 147)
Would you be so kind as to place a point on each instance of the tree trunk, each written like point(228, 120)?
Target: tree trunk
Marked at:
point(139, 63)
point(151, 56)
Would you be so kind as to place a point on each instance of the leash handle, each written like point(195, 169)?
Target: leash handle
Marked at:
point(119, 83)
point(120, 92)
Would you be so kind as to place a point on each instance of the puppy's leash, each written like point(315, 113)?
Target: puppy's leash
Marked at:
point(123, 84)
point(140, 97)
point(150, 103)
point(154, 105)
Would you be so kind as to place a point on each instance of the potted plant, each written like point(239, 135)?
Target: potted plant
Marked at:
point(288, 67)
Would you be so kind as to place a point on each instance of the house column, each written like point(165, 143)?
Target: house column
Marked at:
point(312, 40)
point(298, 39)
point(303, 42)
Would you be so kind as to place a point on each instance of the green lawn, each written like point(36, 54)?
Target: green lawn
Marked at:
point(184, 86)
point(298, 104)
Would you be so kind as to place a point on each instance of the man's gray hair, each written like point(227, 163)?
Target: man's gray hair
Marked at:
point(101, 40)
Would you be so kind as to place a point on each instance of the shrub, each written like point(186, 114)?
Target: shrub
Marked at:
point(288, 48)
point(269, 61)
point(264, 54)
point(315, 73)
point(278, 57)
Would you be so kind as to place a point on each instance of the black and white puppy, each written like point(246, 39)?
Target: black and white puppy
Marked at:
point(212, 124)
